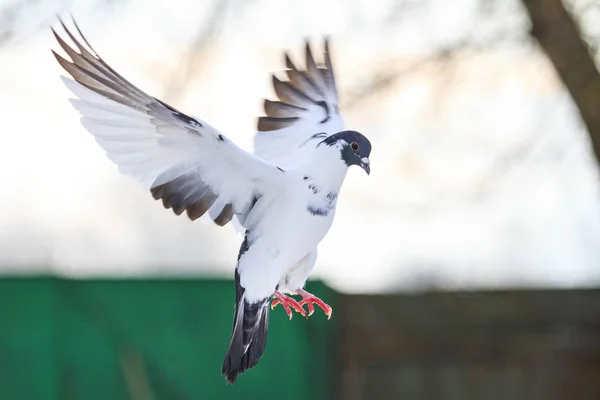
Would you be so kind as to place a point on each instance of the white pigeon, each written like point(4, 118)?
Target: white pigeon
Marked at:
point(283, 196)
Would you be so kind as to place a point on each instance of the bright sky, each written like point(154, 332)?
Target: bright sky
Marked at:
point(486, 180)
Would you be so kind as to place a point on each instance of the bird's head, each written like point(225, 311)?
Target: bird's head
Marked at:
point(354, 147)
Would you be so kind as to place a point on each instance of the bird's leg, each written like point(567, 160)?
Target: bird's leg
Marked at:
point(288, 303)
point(309, 299)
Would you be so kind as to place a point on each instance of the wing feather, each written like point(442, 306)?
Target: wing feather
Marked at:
point(183, 161)
point(289, 94)
point(279, 109)
point(306, 111)
point(273, 123)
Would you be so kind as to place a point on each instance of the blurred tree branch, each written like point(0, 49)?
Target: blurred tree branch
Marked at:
point(22, 19)
point(9, 14)
point(560, 38)
point(441, 59)
point(196, 58)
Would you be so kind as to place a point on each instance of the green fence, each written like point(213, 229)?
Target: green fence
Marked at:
point(166, 339)
point(149, 339)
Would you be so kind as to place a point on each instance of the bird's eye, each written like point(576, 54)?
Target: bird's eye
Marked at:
point(354, 146)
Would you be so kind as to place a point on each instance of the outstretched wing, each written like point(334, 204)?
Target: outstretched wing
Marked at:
point(181, 160)
point(305, 113)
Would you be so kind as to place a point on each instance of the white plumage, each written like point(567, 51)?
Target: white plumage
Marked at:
point(157, 151)
point(283, 196)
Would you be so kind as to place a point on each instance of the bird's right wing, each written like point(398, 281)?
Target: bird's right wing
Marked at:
point(183, 161)
point(305, 113)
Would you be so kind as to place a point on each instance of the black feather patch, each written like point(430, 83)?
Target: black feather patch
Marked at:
point(319, 212)
point(189, 193)
point(243, 249)
point(225, 215)
point(198, 209)
point(266, 124)
point(278, 109)
point(327, 113)
point(249, 333)
point(290, 95)
point(91, 71)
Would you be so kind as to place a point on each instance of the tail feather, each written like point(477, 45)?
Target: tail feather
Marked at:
point(256, 321)
point(249, 336)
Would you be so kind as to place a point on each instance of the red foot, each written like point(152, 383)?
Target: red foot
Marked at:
point(309, 299)
point(287, 302)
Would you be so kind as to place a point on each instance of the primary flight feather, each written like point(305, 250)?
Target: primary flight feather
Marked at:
point(283, 196)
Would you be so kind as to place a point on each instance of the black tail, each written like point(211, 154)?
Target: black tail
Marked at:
point(249, 336)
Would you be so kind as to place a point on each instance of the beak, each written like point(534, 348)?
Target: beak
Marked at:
point(366, 165)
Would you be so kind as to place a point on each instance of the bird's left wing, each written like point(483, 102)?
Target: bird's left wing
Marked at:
point(306, 111)
point(181, 160)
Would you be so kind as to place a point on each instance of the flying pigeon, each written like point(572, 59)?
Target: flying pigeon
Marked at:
point(282, 197)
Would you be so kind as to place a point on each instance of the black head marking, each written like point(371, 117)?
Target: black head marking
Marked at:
point(364, 145)
point(220, 138)
point(355, 146)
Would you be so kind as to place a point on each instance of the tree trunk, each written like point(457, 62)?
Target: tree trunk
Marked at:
point(560, 38)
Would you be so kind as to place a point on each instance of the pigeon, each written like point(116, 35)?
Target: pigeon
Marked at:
point(282, 197)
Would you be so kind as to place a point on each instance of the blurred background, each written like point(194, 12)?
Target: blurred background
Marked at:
point(466, 266)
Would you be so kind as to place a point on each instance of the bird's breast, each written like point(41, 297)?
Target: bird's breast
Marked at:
point(296, 229)
point(322, 205)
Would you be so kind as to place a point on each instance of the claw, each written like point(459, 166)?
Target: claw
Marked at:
point(288, 304)
point(310, 299)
